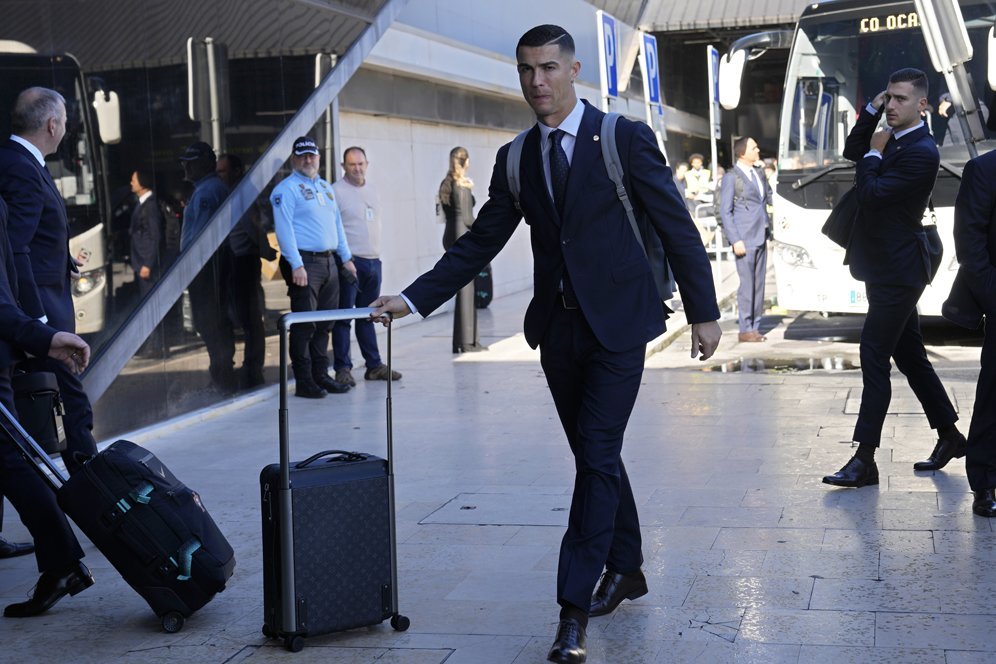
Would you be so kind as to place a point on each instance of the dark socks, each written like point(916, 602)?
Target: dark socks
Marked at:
point(948, 431)
point(866, 452)
point(569, 611)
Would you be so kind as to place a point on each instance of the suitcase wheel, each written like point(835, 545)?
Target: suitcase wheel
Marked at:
point(400, 623)
point(267, 632)
point(172, 622)
point(294, 643)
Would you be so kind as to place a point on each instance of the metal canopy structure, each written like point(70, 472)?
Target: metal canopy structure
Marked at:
point(668, 16)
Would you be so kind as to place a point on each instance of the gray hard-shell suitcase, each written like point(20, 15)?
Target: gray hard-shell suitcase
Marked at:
point(329, 547)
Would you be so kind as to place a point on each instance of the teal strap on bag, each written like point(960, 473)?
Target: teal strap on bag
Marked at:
point(141, 493)
point(186, 559)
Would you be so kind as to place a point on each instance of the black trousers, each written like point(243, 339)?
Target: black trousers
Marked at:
point(980, 462)
point(892, 330)
point(594, 390)
point(309, 342)
point(209, 307)
point(248, 299)
point(56, 547)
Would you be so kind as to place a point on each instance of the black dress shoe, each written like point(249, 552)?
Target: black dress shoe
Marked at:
point(13, 549)
point(985, 503)
point(614, 588)
point(51, 587)
point(308, 390)
point(331, 385)
point(855, 473)
point(945, 450)
point(570, 647)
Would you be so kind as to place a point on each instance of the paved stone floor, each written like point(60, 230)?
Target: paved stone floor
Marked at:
point(750, 557)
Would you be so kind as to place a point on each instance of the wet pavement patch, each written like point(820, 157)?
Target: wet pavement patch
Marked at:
point(782, 365)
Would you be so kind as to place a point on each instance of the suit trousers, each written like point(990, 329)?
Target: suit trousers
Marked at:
point(892, 330)
point(361, 294)
point(980, 461)
point(209, 308)
point(309, 342)
point(249, 309)
point(56, 547)
point(78, 417)
point(751, 269)
point(594, 390)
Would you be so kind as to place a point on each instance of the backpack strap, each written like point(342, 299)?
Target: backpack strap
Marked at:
point(512, 167)
point(610, 155)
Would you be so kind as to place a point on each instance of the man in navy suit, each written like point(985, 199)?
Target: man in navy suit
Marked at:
point(145, 232)
point(744, 199)
point(594, 308)
point(39, 236)
point(56, 549)
point(975, 288)
point(896, 169)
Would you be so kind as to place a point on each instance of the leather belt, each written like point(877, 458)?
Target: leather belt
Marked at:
point(316, 254)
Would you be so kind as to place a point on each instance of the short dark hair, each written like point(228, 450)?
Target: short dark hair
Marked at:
point(234, 162)
point(144, 177)
point(350, 149)
point(740, 146)
point(547, 35)
point(914, 76)
point(694, 156)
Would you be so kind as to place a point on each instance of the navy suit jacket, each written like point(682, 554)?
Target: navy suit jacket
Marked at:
point(18, 331)
point(975, 234)
point(608, 270)
point(146, 231)
point(39, 235)
point(888, 245)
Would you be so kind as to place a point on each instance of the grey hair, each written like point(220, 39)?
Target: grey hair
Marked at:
point(33, 108)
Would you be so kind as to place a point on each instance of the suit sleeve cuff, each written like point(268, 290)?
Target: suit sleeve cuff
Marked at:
point(873, 153)
point(411, 306)
point(871, 109)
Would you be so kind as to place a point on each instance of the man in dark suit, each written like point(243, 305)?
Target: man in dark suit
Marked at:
point(145, 232)
point(594, 308)
point(896, 169)
point(744, 199)
point(975, 287)
point(56, 549)
point(39, 236)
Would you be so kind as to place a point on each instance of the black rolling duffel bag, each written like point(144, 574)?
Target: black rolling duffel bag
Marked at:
point(147, 523)
point(329, 545)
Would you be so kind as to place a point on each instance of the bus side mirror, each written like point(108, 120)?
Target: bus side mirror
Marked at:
point(108, 111)
point(731, 71)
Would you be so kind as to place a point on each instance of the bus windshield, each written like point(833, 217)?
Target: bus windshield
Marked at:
point(842, 58)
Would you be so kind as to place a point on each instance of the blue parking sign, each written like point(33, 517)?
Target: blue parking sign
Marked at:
point(652, 72)
point(607, 54)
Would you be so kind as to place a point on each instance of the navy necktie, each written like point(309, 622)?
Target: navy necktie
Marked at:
point(559, 170)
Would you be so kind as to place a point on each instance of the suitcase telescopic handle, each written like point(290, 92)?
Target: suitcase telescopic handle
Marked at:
point(30, 450)
point(284, 324)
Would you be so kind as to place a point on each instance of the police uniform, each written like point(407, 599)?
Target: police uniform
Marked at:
point(310, 233)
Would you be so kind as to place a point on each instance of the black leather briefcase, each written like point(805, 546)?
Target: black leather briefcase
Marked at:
point(39, 408)
point(839, 225)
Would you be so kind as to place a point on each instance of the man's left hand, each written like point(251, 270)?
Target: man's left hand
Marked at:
point(880, 138)
point(705, 339)
point(350, 268)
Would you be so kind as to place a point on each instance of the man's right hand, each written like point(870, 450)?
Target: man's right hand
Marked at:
point(389, 304)
point(70, 350)
point(739, 248)
point(879, 100)
point(300, 277)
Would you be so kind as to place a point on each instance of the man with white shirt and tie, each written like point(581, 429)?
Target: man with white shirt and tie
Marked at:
point(744, 200)
point(595, 306)
point(895, 172)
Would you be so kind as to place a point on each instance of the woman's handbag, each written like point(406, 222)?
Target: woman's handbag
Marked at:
point(840, 224)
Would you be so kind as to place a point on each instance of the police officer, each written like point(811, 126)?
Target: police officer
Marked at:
point(310, 234)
